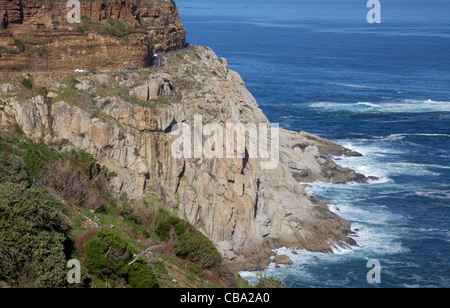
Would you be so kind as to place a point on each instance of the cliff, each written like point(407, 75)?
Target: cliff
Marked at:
point(124, 119)
point(35, 35)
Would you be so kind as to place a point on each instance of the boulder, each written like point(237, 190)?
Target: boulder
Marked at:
point(6, 87)
point(142, 92)
point(282, 260)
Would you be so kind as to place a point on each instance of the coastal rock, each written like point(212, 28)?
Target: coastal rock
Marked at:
point(245, 209)
point(6, 87)
point(282, 260)
point(142, 92)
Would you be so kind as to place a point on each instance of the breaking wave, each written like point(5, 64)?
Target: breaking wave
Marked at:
point(395, 106)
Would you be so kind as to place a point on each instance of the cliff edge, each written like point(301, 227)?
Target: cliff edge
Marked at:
point(36, 36)
point(124, 119)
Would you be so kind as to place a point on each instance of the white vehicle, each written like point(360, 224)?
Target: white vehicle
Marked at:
point(79, 70)
point(155, 55)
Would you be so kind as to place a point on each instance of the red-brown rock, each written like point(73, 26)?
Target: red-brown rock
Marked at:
point(112, 34)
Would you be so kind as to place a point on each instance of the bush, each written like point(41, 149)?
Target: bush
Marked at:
point(36, 158)
point(32, 237)
point(108, 254)
point(99, 175)
point(191, 245)
point(83, 238)
point(12, 168)
point(199, 249)
point(69, 184)
point(165, 224)
point(20, 45)
point(140, 275)
point(27, 83)
point(270, 282)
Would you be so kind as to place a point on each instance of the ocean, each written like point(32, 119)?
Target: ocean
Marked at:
point(380, 89)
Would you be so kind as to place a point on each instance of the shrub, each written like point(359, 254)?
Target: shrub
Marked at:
point(32, 237)
point(199, 249)
point(270, 282)
point(69, 184)
point(108, 254)
point(165, 224)
point(100, 175)
point(83, 238)
point(140, 275)
point(12, 168)
point(27, 83)
point(36, 158)
point(20, 44)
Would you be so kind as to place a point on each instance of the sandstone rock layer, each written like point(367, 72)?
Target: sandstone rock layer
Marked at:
point(36, 36)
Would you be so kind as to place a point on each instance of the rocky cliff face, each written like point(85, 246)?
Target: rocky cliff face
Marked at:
point(35, 35)
point(125, 119)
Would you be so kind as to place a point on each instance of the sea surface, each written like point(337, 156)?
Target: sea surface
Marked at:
point(380, 89)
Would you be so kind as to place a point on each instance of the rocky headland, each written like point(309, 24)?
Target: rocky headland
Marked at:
point(124, 119)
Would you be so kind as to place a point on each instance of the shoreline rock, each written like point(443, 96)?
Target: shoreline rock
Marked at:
point(282, 260)
point(245, 210)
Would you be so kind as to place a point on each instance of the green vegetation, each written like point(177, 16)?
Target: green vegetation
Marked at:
point(109, 257)
point(19, 43)
point(57, 206)
point(118, 29)
point(197, 248)
point(12, 51)
point(32, 237)
point(27, 83)
point(270, 282)
point(140, 275)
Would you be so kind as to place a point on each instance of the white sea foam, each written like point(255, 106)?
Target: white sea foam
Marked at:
point(378, 230)
point(395, 106)
point(370, 164)
point(341, 248)
point(421, 165)
point(375, 238)
point(353, 86)
point(433, 193)
point(403, 136)
point(368, 104)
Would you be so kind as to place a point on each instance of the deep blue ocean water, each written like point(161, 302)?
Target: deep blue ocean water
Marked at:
point(380, 89)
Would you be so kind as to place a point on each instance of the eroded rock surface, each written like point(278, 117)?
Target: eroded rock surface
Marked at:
point(125, 120)
point(35, 35)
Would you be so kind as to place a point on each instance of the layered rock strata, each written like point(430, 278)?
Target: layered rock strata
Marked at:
point(36, 36)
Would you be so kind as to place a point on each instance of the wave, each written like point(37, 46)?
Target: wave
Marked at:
point(403, 136)
point(433, 194)
point(368, 104)
point(374, 160)
point(376, 237)
point(354, 86)
point(379, 231)
point(341, 248)
point(395, 106)
point(421, 165)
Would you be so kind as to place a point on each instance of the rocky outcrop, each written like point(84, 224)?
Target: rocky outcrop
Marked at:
point(282, 260)
point(36, 36)
point(309, 158)
point(244, 209)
